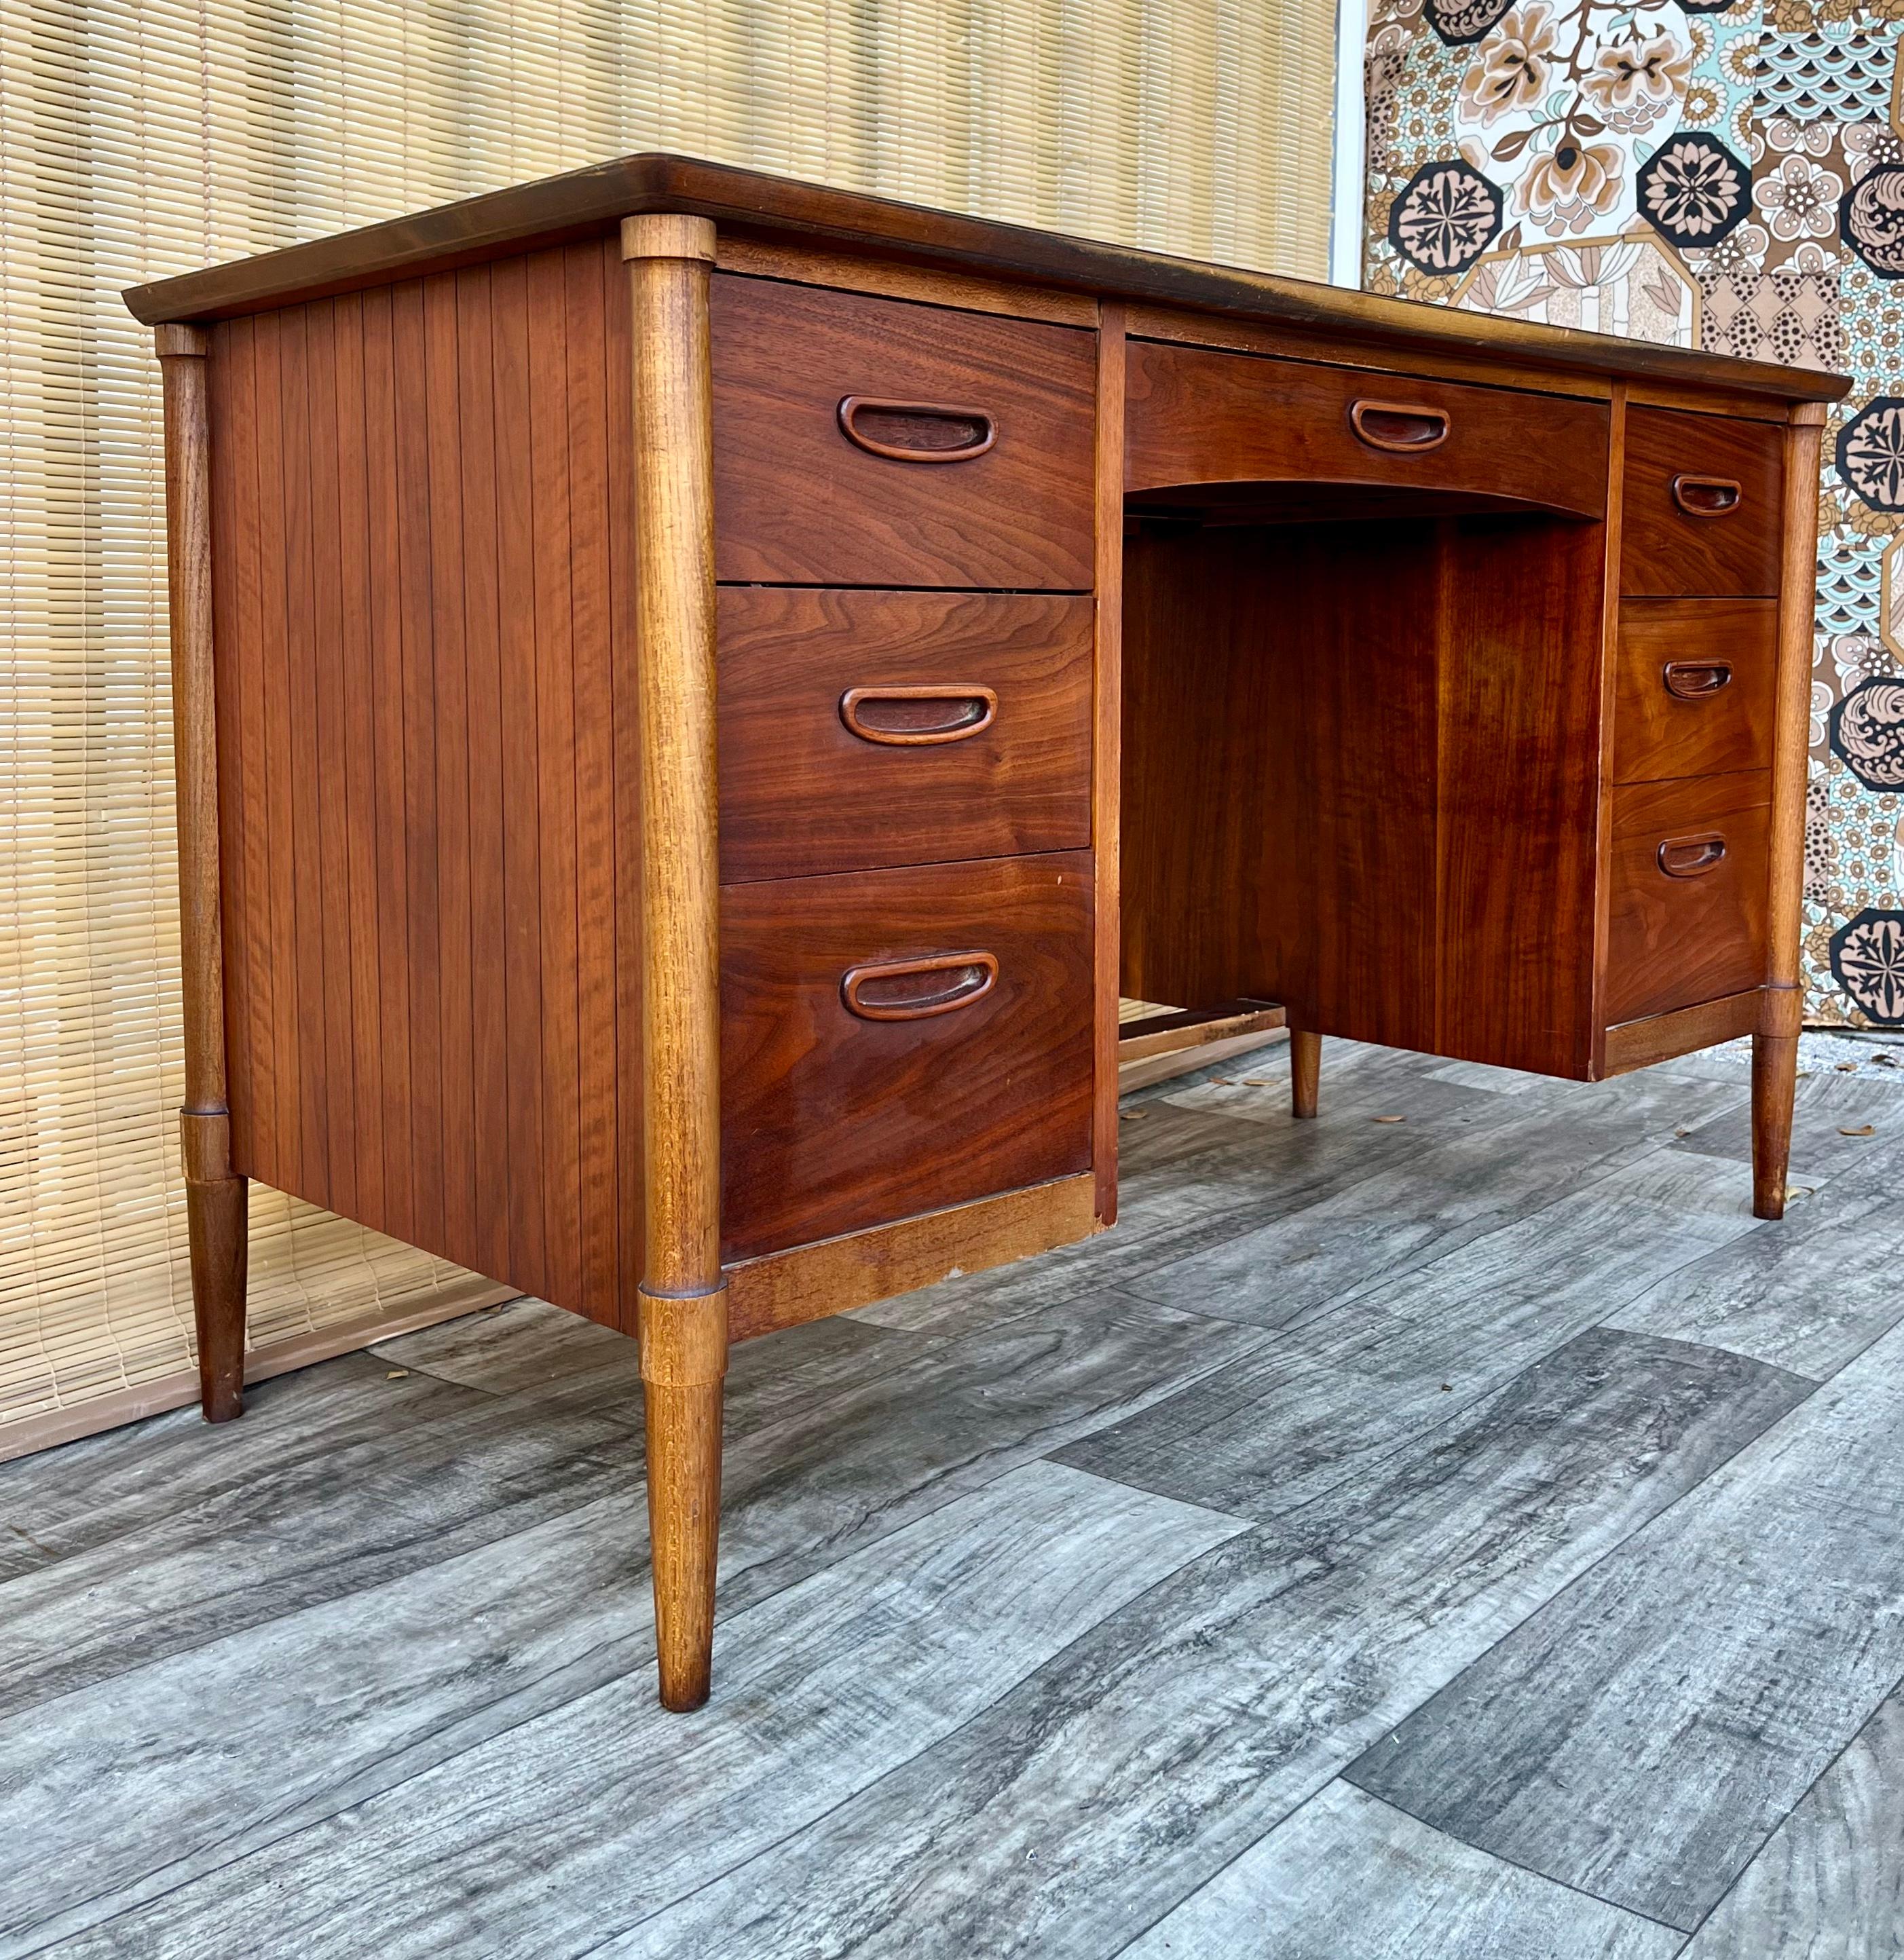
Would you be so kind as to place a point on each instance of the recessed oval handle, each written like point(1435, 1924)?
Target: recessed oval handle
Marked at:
point(916, 431)
point(1691, 856)
point(917, 718)
point(1403, 428)
point(1706, 496)
point(1696, 680)
point(915, 990)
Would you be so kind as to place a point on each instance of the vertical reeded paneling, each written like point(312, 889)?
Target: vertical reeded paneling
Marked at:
point(489, 1011)
point(387, 711)
point(430, 886)
point(553, 709)
point(585, 278)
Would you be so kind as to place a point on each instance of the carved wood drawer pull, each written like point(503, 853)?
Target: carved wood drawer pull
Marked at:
point(1695, 680)
point(916, 431)
point(1404, 429)
point(914, 990)
point(915, 718)
point(1706, 496)
point(1691, 856)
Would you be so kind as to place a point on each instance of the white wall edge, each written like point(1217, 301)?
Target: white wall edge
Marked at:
point(1350, 163)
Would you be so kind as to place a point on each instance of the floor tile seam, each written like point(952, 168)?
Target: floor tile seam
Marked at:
point(1838, 1756)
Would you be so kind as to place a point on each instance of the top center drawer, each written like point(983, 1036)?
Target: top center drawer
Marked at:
point(1201, 416)
point(862, 441)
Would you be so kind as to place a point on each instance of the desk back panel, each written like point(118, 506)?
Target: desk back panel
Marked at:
point(1361, 778)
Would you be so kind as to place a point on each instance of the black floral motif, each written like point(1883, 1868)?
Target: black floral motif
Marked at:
point(1871, 215)
point(1867, 732)
point(1445, 217)
point(1693, 190)
point(1459, 21)
point(1871, 453)
point(1867, 961)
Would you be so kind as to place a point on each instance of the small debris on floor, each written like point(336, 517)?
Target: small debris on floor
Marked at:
point(1447, 1388)
point(1681, 1133)
point(1848, 1068)
point(397, 1375)
point(1130, 1115)
point(1256, 1082)
point(1391, 1119)
point(1863, 1130)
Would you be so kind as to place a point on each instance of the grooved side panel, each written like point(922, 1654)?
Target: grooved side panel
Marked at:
point(429, 894)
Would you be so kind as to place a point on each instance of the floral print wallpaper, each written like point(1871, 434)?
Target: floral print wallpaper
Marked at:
point(1729, 178)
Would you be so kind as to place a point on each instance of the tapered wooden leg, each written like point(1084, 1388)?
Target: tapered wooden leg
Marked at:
point(684, 1358)
point(1305, 1071)
point(216, 1218)
point(214, 1194)
point(1775, 1081)
point(683, 1306)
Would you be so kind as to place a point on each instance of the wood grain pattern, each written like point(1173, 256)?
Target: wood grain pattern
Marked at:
point(1656, 1038)
point(510, 221)
point(1774, 1050)
point(1314, 1639)
point(1107, 764)
point(809, 264)
point(834, 1275)
point(1199, 417)
point(1829, 1883)
point(1347, 1874)
point(415, 654)
point(1664, 551)
point(833, 1123)
point(1369, 795)
point(797, 503)
point(1659, 733)
point(1674, 941)
point(801, 794)
point(215, 1199)
point(1641, 1738)
point(682, 1308)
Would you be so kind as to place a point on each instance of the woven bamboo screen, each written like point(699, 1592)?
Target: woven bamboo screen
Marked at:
point(139, 137)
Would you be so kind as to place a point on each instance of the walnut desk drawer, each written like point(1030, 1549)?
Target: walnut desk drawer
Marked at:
point(861, 729)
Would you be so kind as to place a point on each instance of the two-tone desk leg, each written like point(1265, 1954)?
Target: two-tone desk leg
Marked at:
point(683, 1302)
point(1774, 1049)
point(214, 1195)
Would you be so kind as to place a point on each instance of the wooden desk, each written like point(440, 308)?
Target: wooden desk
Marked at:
point(1446, 679)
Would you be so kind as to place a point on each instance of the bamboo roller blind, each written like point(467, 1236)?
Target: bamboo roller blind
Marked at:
point(139, 137)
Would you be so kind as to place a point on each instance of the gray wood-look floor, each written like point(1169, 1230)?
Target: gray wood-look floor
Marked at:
point(1467, 1538)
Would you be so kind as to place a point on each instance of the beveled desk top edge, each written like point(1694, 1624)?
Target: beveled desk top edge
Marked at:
point(581, 202)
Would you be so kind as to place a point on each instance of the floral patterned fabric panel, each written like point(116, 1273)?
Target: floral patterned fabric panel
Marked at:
point(1724, 177)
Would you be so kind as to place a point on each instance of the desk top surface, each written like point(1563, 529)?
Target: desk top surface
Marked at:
point(585, 202)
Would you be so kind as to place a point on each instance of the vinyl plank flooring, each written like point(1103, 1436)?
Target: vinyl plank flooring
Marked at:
point(555, 1359)
point(1310, 1410)
point(1132, 1768)
point(85, 1494)
point(272, 1516)
point(957, 1414)
point(829, 1475)
point(1829, 1884)
point(1394, 1219)
point(1808, 1295)
point(547, 1839)
point(1197, 1176)
point(1826, 1104)
point(1349, 1879)
point(1642, 1737)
